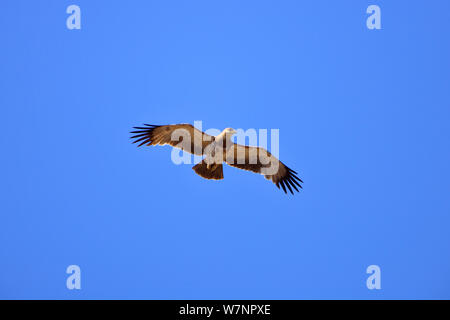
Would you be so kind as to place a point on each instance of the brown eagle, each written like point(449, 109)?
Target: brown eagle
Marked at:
point(217, 150)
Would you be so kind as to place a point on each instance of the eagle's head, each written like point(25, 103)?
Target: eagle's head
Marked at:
point(229, 131)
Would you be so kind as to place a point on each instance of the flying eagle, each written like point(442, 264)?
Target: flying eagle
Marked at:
point(217, 150)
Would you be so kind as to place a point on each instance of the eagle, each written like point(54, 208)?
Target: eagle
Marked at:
point(218, 150)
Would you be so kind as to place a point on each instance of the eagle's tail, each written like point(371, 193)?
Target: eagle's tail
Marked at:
point(215, 171)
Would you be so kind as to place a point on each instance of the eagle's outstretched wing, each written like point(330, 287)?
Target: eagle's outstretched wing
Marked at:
point(183, 136)
point(261, 161)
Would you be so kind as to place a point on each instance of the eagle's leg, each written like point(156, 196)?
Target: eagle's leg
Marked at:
point(210, 159)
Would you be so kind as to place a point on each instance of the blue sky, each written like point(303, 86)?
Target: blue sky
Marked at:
point(363, 118)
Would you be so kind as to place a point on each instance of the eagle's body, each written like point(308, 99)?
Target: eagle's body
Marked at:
point(217, 150)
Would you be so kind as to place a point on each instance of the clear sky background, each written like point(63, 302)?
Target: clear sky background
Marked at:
point(363, 118)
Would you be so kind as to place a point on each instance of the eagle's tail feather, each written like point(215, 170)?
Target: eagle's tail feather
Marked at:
point(215, 171)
